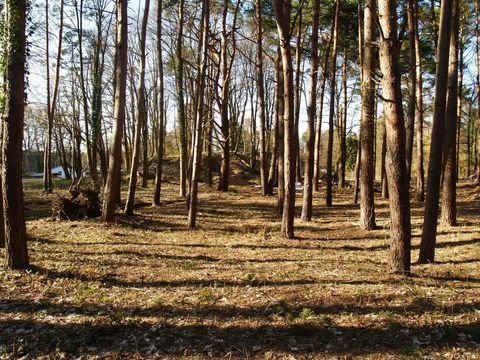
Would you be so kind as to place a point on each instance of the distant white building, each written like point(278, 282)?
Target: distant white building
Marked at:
point(58, 172)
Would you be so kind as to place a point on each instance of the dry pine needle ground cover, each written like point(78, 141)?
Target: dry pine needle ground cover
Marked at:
point(148, 288)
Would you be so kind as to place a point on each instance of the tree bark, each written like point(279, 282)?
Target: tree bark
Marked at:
point(420, 172)
point(281, 135)
point(333, 70)
point(400, 227)
point(282, 11)
point(449, 189)
point(311, 111)
point(367, 125)
point(261, 99)
point(16, 254)
point(342, 129)
point(160, 106)
point(181, 117)
point(412, 79)
point(429, 233)
point(197, 154)
point(141, 117)
point(114, 178)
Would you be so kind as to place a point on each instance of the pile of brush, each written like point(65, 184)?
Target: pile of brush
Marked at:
point(78, 203)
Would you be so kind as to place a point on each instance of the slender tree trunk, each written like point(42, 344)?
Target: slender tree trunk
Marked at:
point(361, 43)
point(383, 169)
point(226, 68)
point(460, 46)
point(141, 117)
point(181, 117)
point(47, 156)
point(449, 189)
point(318, 133)
point(400, 227)
point(420, 172)
point(367, 125)
point(281, 136)
point(297, 87)
point(261, 99)
point(282, 11)
point(114, 178)
point(429, 233)
point(343, 127)
point(311, 111)
point(51, 102)
point(16, 254)
point(278, 107)
point(197, 154)
point(160, 106)
point(333, 70)
point(412, 79)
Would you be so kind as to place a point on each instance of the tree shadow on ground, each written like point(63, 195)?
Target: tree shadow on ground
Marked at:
point(167, 339)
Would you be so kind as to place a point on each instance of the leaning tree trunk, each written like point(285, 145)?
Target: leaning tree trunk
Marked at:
point(16, 254)
point(367, 125)
point(141, 117)
point(449, 189)
point(400, 227)
point(429, 233)
point(311, 110)
point(114, 178)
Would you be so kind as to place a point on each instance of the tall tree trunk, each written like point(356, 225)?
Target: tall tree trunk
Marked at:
point(297, 87)
point(51, 102)
point(311, 111)
point(333, 70)
point(342, 130)
point(16, 254)
point(412, 79)
point(461, 47)
point(367, 125)
point(114, 178)
point(361, 43)
point(420, 172)
point(181, 117)
point(145, 161)
point(141, 117)
point(318, 126)
point(197, 154)
point(160, 106)
point(226, 69)
point(449, 189)
point(47, 156)
point(429, 233)
point(261, 99)
point(278, 118)
point(282, 11)
point(281, 135)
point(383, 169)
point(400, 227)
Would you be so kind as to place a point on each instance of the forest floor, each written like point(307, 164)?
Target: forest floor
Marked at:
point(147, 287)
